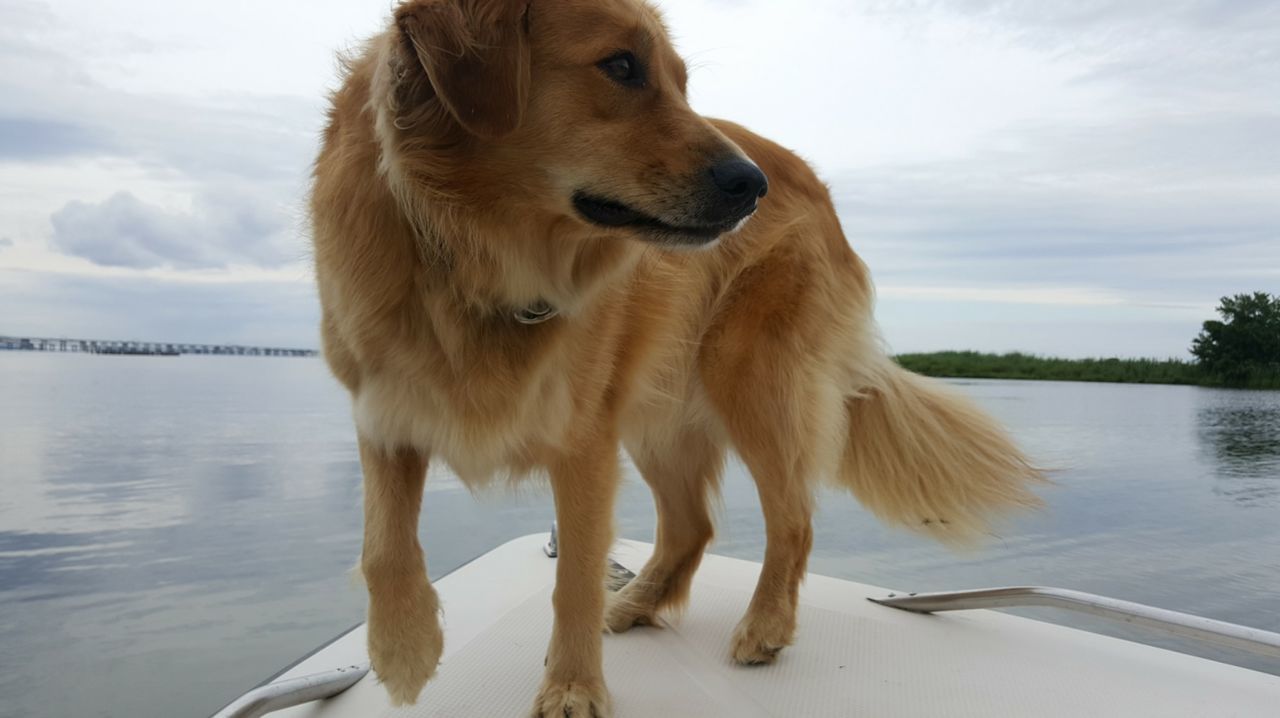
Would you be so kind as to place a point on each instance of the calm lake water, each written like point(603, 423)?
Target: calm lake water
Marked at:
point(174, 530)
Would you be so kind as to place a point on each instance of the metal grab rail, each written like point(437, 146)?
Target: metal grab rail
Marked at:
point(293, 692)
point(1219, 633)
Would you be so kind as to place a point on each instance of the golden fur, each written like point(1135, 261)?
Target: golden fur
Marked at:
point(443, 203)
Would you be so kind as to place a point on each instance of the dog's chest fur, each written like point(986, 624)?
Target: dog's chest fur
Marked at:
point(484, 404)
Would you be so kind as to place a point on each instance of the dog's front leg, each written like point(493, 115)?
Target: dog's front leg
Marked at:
point(584, 484)
point(405, 640)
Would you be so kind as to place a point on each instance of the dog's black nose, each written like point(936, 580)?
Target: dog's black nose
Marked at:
point(739, 180)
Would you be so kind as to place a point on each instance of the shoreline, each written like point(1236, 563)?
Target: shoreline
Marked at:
point(1019, 366)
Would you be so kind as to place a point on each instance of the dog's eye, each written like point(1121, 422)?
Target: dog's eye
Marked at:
point(623, 68)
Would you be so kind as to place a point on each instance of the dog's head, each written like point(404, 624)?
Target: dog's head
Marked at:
point(565, 109)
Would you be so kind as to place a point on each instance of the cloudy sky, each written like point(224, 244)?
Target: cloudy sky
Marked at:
point(1069, 177)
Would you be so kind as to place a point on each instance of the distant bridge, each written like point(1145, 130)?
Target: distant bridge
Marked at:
point(115, 346)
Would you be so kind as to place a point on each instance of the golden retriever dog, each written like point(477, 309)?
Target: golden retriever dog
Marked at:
point(531, 252)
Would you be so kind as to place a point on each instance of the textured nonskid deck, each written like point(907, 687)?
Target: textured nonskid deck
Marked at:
point(851, 658)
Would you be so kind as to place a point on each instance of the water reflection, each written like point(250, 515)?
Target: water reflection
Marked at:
point(1240, 433)
point(197, 517)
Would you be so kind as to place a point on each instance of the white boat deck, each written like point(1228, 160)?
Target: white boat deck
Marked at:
point(851, 658)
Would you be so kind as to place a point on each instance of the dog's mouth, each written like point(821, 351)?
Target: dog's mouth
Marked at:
point(610, 213)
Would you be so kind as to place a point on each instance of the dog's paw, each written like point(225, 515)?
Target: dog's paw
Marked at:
point(573, 699)
point(624, 610)
point(758, 639)
point(405, 648)
point(405, 664)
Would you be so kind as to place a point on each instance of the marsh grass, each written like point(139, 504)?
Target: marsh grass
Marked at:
point(1016, 365)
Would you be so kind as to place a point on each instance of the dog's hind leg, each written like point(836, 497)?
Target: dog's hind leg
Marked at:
point(681, 477)
point(770, 365)
point(784, 480)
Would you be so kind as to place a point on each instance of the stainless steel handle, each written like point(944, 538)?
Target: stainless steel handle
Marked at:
point(293, 692)
point(1219, 633)
point(552, 549)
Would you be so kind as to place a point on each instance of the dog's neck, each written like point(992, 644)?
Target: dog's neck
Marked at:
point(530, 270)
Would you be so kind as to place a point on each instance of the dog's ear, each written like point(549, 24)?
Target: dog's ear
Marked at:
point(476, 55)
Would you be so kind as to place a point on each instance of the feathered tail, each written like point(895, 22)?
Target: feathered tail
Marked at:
point(923, 456)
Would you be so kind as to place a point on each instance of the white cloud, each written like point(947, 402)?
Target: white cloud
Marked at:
point(1061, 296)
point(988, 157)
point(220, 230)
point(850, 88)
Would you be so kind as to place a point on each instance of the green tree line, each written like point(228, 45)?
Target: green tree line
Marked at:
point(1241, 349)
